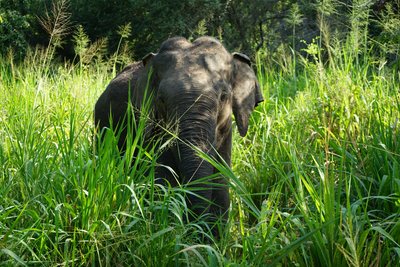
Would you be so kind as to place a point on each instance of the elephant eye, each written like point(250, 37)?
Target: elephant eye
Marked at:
point(222, 97)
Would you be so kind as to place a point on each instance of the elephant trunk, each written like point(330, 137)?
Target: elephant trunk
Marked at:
point(197, 132)
point(192, 169)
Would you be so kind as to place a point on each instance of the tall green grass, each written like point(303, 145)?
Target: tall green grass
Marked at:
point(323, 163)
point(316, 182)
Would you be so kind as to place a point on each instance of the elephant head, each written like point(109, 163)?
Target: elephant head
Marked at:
point(196, 86)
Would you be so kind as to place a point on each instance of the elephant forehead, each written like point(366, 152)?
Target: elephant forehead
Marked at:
point(175, 43)
point(207, 43)
point(204, 53)
point(194, 68)
point(186, 81)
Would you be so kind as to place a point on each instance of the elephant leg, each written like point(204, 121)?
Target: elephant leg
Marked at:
point(220, 199)
point(166, 170)
point(220, 195)
point(220, 207)
point(225, 148)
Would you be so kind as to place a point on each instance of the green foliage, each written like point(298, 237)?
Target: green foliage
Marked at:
point(122, 57)
point(261, 26)
point(389, 37)
point(56, 23)
point(327, 156)
point(151, 21)
point(315, 182)
point(19, 26)
point(13, 32)
point(86, 51)
point(165, 19)
point(81, 41)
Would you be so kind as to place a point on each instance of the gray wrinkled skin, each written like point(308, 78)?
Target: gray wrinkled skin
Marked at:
point(196, 87)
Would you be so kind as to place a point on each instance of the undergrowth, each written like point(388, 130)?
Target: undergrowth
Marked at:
point(316, 182)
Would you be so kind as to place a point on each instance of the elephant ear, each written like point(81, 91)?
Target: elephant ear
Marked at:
point(147, 58)
point(142, 84)
point(246, 91)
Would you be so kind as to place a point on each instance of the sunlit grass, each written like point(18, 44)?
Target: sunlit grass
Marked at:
point(327, 157)
point(315, 182)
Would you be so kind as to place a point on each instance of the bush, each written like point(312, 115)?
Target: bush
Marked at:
point(13, 32)
point(19, 26)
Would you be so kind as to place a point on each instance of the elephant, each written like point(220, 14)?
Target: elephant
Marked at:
point(196, 86)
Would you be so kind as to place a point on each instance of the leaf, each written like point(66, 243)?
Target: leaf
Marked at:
point(14, 256)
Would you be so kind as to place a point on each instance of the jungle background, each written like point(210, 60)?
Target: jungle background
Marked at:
point(247, 26)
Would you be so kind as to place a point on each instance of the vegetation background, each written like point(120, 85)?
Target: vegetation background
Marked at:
point(315, 183)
